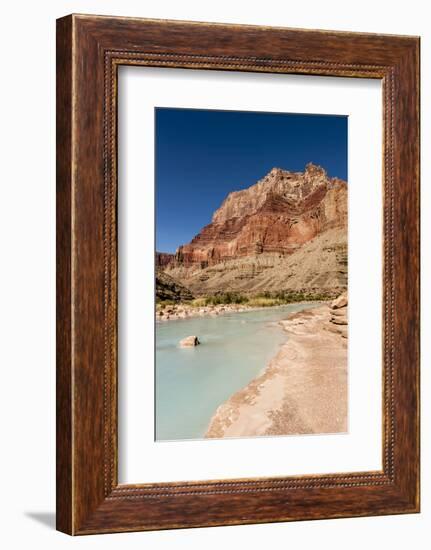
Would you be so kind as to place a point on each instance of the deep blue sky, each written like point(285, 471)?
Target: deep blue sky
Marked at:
point(202, 155)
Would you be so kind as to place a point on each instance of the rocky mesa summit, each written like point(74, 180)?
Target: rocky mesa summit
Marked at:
point(286, 232)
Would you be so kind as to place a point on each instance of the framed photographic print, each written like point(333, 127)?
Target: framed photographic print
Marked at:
point(237, 274)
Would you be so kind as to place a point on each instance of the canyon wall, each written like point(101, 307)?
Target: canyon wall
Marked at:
point(278, 214)
point(287, 231)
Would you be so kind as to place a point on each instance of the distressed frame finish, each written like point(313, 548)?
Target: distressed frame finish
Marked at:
point(89, 51)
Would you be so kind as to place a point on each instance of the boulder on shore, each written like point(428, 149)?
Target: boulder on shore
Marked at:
point(189, 342)
point(340, 302)
point(339, 315)
point(339, 320)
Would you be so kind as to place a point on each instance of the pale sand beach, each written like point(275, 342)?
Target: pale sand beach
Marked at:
point(303, 389)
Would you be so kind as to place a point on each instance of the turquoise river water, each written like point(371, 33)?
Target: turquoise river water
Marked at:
point(191, 383)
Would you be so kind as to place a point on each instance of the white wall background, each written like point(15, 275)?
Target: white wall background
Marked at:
point(27, 306)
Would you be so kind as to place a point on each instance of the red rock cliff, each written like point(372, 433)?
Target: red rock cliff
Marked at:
point(163, 259)
point(278, 214)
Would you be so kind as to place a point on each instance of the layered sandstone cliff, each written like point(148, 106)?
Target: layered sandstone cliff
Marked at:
point(319, 266)
point(163, 259)
point(286, 232)
point(278, 214)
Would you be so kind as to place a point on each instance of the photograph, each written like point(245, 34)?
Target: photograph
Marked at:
point(251, 274)
point(213, 321)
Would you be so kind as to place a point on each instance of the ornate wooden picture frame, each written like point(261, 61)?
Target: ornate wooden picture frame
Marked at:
point(89, 51)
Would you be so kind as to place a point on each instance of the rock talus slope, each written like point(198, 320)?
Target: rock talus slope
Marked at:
point(167, 288)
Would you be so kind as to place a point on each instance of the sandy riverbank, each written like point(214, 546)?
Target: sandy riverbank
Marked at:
point(184, 311)
point(303, 390)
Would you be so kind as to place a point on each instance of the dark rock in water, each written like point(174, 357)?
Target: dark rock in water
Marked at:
point(189, 342)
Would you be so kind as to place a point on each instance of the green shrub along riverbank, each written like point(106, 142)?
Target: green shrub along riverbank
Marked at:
point(264, 299)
